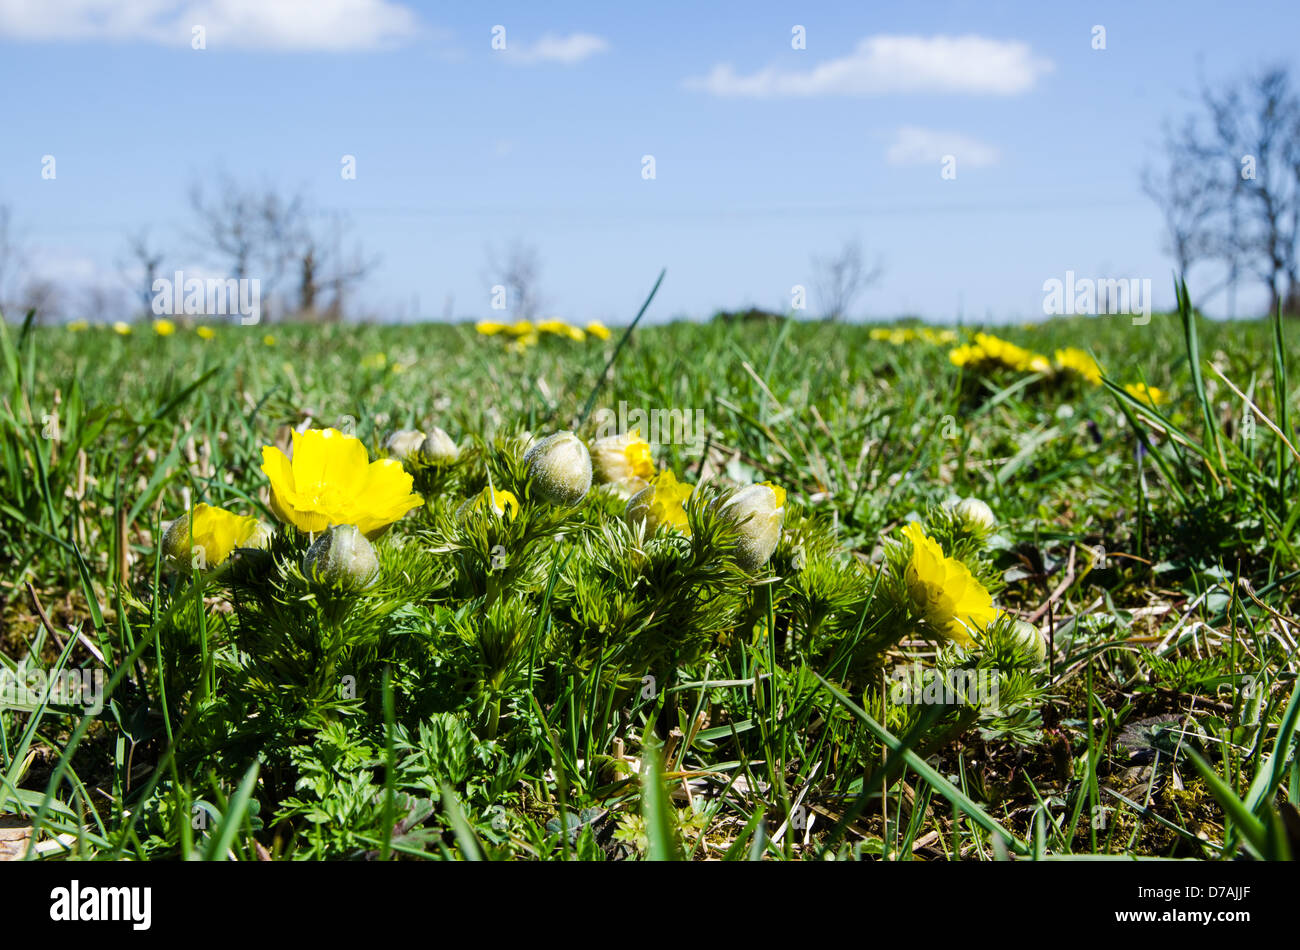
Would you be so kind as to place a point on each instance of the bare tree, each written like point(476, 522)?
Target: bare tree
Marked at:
point(255, 231)
point(323, 264)
point(141, 269)
point(11, 256)
point(1232, 190)
point(518, 268)
point(1186, 195)
point(841, 279)
point(102, 302)
point(43, 296)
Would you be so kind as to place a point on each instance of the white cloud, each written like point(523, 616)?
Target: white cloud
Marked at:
point(917, 146)
point(330, 25)
point(881, 65)
point(552, 48)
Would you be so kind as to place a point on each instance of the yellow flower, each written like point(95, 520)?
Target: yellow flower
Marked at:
point(491, 327)
point(331, 481)
point(938, 336)
point(598, 330)
point(560, 328)
point(122, 329)
point(990, 351)
point(1147, 394)
point(948, 596)
point(661, 503)
point(525, 335)
point(164, 327)
point(206, 537)
point(76, 326)
point(503, 504)
point(206, 333)
point(617, 457)
point(268, 340)
point(1072, 359)
point(1037, 363)
point(965, 355)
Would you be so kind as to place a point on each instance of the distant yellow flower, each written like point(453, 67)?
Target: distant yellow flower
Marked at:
point(122, 329)
point(268, 340)
point(989, 351)
point(938, 336)
point(206, 333)
point(598, 330)
point(76, 326)
point(491, 327)
point(206, 537)
point(522, 328)
point(965, 355)
point(899, 336)
point(331, 481)
point(164, 327)
point(661, 503)
point(945, 591)
point(522, 343)
point(560, 328)
point(1072, 359)
point(1147, 394)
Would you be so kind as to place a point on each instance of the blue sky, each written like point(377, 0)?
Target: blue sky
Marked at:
point(764, 155)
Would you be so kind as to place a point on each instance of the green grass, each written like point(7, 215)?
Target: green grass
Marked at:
point(602, 696)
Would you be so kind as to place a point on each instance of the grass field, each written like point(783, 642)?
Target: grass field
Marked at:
point(547, 682)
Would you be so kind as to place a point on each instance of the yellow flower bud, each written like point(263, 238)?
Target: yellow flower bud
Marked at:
point(503, 504)
point(1031, 637)
point(404, 445)
point(439, 448)
point(660, 503)
point(260, 537)
point(205, 538)
point(341, 559)
point(560, 468)
point(757, 511)
point(618, 457)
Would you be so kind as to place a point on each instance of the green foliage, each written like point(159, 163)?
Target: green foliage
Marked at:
point(557, 684)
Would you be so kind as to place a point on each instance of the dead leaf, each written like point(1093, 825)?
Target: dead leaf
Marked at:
point(15, 833)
